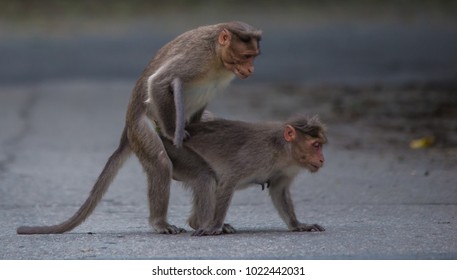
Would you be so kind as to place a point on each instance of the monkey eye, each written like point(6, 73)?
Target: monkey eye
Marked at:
point(317, 145)
point(244, 38)
point(248, 56)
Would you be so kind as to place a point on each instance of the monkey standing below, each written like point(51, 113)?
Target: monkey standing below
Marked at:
point(231, 155)
point(172, 92)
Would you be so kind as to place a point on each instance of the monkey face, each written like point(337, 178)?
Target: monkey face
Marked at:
point(238, 52)
point(308, 153)
point(239, 61)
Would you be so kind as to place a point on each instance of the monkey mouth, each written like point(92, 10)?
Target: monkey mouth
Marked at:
point(313, 167)
point(240, 74)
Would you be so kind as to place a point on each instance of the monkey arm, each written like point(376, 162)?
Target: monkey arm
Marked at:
point(180, 133)
point(280, 195)
point(223, 195)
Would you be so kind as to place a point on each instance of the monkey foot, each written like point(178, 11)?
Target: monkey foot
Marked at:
point(206, 232)
point(227, 228)
point(171, 229)
point(308, 227)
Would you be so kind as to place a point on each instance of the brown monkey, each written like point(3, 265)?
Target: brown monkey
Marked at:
point(173, 91)
point(238, 154)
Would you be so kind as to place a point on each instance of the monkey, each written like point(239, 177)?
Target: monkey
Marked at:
point(172, 92)
point(198, 72)
point(223, 156)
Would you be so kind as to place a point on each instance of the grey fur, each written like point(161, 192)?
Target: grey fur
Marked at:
point(230, 155)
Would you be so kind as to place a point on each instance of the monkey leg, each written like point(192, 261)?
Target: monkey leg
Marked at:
point(224, 197)
point(224, 194)
point(204, 204)
point(280, 195)
point(159, 181)
point(149, 149)
point(190, 168)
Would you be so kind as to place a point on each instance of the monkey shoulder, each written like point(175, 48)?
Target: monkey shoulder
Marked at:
point(188, 55)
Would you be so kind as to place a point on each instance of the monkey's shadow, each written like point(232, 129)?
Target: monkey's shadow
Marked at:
point(240, 233)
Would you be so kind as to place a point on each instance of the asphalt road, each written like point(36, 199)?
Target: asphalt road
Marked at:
point(61, 116)
point(338, 52)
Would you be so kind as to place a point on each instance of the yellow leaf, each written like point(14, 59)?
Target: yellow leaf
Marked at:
point(422, 142)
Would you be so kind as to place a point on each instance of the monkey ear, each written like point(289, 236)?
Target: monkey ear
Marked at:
point(225, 37)
point(289, 133)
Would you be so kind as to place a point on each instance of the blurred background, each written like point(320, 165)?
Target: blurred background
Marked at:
point(338, 42)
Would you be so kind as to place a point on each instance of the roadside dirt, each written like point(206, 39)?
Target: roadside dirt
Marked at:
point(377, 118)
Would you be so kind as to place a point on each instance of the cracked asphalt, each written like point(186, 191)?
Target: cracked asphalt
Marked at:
point(376, 197)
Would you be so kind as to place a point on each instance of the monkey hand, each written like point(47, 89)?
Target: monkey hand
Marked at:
point(171, 229)
point(180, 138)
point(308, 227)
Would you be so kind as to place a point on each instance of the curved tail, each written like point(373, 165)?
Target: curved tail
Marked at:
point(105, 178)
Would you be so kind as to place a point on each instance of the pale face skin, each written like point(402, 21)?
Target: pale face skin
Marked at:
point(306, 150)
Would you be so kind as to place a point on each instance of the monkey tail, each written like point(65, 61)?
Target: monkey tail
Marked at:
point(104, 180)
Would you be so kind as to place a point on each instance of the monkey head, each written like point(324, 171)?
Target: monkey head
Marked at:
point(306, 137)
point(239, 46)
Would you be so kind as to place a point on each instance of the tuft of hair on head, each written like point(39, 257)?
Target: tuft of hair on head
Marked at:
point(311, 126)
